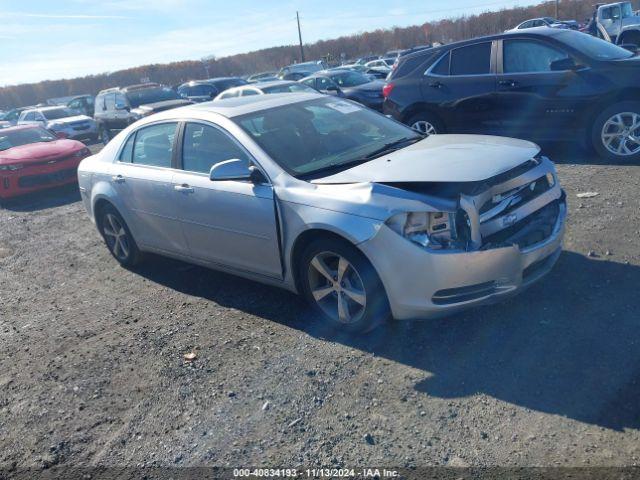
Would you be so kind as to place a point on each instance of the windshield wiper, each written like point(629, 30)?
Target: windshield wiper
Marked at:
point(391, 147)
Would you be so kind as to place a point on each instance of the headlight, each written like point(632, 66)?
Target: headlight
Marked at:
point(427, 229)
point(11, 168)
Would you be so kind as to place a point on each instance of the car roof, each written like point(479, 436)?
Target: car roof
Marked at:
point(45, 109)
point(535, 32)
point(236, 106)
point(268, 83)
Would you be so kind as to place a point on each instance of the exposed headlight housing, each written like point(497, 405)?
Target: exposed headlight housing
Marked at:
point(434, 230)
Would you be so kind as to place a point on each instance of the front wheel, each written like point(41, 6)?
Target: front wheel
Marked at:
point(339, 281)
point(615, 134)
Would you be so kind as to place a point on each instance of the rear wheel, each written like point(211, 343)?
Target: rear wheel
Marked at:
point(342, 285)
point(426, 123)
point(117, 236)
point(615, 133)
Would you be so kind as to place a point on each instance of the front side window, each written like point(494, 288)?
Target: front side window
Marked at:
point(30, 117)
point(154, 145)
point(349, 79)
point(471, 60)
point(528, 56)
point(110, 101)
point(249, 91)
point(319, 137)
point(325, 83)
point(205, 146)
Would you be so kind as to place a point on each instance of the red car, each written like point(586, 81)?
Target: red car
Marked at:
point(32, 158)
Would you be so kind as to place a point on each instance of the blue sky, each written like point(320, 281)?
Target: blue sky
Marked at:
point(46, 40)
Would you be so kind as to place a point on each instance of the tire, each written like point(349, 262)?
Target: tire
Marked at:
point(105, 135)
point(426, 123)
point(117, 237)
point(354, 299)
point(615, 133)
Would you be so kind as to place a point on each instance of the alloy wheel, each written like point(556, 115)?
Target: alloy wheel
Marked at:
point(337, 287)
point(424, 127)
point(621, 134)
point(116, 237)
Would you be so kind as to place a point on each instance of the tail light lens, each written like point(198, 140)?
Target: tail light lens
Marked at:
point(386, 90)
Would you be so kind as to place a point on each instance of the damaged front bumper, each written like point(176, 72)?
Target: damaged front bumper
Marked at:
point(427, 283)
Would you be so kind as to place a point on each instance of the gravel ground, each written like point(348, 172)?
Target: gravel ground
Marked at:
point(92, 369)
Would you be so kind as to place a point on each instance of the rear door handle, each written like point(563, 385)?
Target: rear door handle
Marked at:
point(508, 83)
point(118, 179)
point(436, 84)
point(183, 188)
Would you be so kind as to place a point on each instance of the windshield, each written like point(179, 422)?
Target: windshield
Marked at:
point(201, 90)
point(56, 113)
point(292, 87)
point(151, 95)
point(317, 137)
point(223, 85)
point(349, 79)
point(593, 47)
point(16, 138)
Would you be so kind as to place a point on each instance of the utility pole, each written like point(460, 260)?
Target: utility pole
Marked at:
point(557, 16)
point(300, 38)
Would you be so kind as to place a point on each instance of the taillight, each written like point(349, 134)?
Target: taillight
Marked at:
point(386, 90)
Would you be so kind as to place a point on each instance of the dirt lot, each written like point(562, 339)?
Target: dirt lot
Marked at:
point(92, 369)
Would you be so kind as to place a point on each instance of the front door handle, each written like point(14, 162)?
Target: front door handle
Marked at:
point(508, 83)
point(184, 188)
point(117, 179)
point(436, 84)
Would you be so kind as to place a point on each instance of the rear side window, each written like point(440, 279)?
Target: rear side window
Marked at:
point(154, 145)
point(471, 60)
point(442, 66)
point(126, 154)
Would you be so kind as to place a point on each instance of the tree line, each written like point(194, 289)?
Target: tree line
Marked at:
point(349, 46)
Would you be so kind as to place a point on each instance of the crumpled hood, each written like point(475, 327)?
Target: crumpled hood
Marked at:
point(442, 158)
point(35, 152)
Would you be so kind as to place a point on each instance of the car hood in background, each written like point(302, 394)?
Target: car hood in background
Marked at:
point(374, 86)
point(164, 105)
point(35, 152)
point(442, 158)
point(69, 120)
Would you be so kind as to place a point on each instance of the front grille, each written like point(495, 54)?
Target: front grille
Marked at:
point(29, 181)
point(516, 197)
point(530, 230)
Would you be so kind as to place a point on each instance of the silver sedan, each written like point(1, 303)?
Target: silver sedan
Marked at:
point(360, 214)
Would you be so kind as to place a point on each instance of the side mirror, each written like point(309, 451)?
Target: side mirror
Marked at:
point(563, 64)
point(235, 169)
point(61, 135)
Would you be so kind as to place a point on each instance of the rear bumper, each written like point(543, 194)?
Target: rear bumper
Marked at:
point(423, 283)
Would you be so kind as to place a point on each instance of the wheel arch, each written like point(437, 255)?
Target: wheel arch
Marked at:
point(305, 238)
point(622, 95)
point(417, 108)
